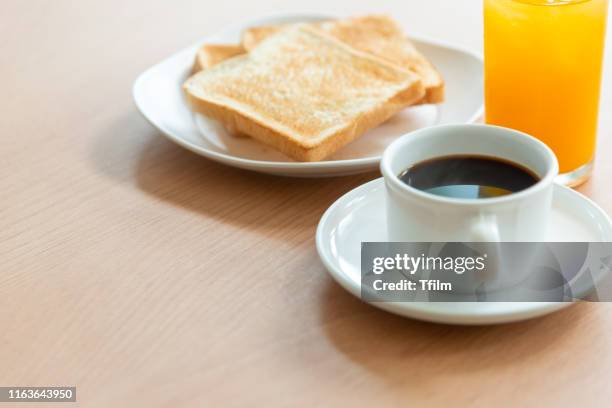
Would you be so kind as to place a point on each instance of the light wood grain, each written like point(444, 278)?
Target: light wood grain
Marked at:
point(148, 276)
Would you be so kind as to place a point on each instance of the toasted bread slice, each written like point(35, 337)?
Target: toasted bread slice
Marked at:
point(212, 54)
point(378, 35)
point(303, 92)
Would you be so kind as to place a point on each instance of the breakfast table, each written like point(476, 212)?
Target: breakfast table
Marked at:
point(146, 275)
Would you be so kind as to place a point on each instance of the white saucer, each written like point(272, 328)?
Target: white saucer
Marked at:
point(359, 216)
point(158, 96)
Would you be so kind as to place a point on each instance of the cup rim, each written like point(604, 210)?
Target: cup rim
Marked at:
point(394, 181)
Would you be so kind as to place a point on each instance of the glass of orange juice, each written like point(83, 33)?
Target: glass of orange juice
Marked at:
point(543, 61)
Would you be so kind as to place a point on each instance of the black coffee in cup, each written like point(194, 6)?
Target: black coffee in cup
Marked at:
point(469, 176)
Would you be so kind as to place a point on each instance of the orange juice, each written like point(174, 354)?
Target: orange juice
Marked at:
point(543, 63)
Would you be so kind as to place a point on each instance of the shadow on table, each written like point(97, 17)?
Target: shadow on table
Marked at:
point(134, 154)
point(418, 354)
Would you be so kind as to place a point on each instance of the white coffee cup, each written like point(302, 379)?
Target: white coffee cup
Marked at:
point(417, 216)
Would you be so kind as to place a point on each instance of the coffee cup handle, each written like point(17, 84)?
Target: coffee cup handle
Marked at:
point(484, 228)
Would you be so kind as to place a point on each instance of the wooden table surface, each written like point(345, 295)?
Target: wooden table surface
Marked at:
point(148, 276)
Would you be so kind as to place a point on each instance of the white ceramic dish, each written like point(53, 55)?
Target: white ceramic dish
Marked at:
point(158, 96)
point(359, 216)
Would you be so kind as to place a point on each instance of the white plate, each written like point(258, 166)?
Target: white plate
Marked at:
point(157, 93)
point(359, 216)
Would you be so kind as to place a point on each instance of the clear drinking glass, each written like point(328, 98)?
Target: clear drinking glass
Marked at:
point(543, 62)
